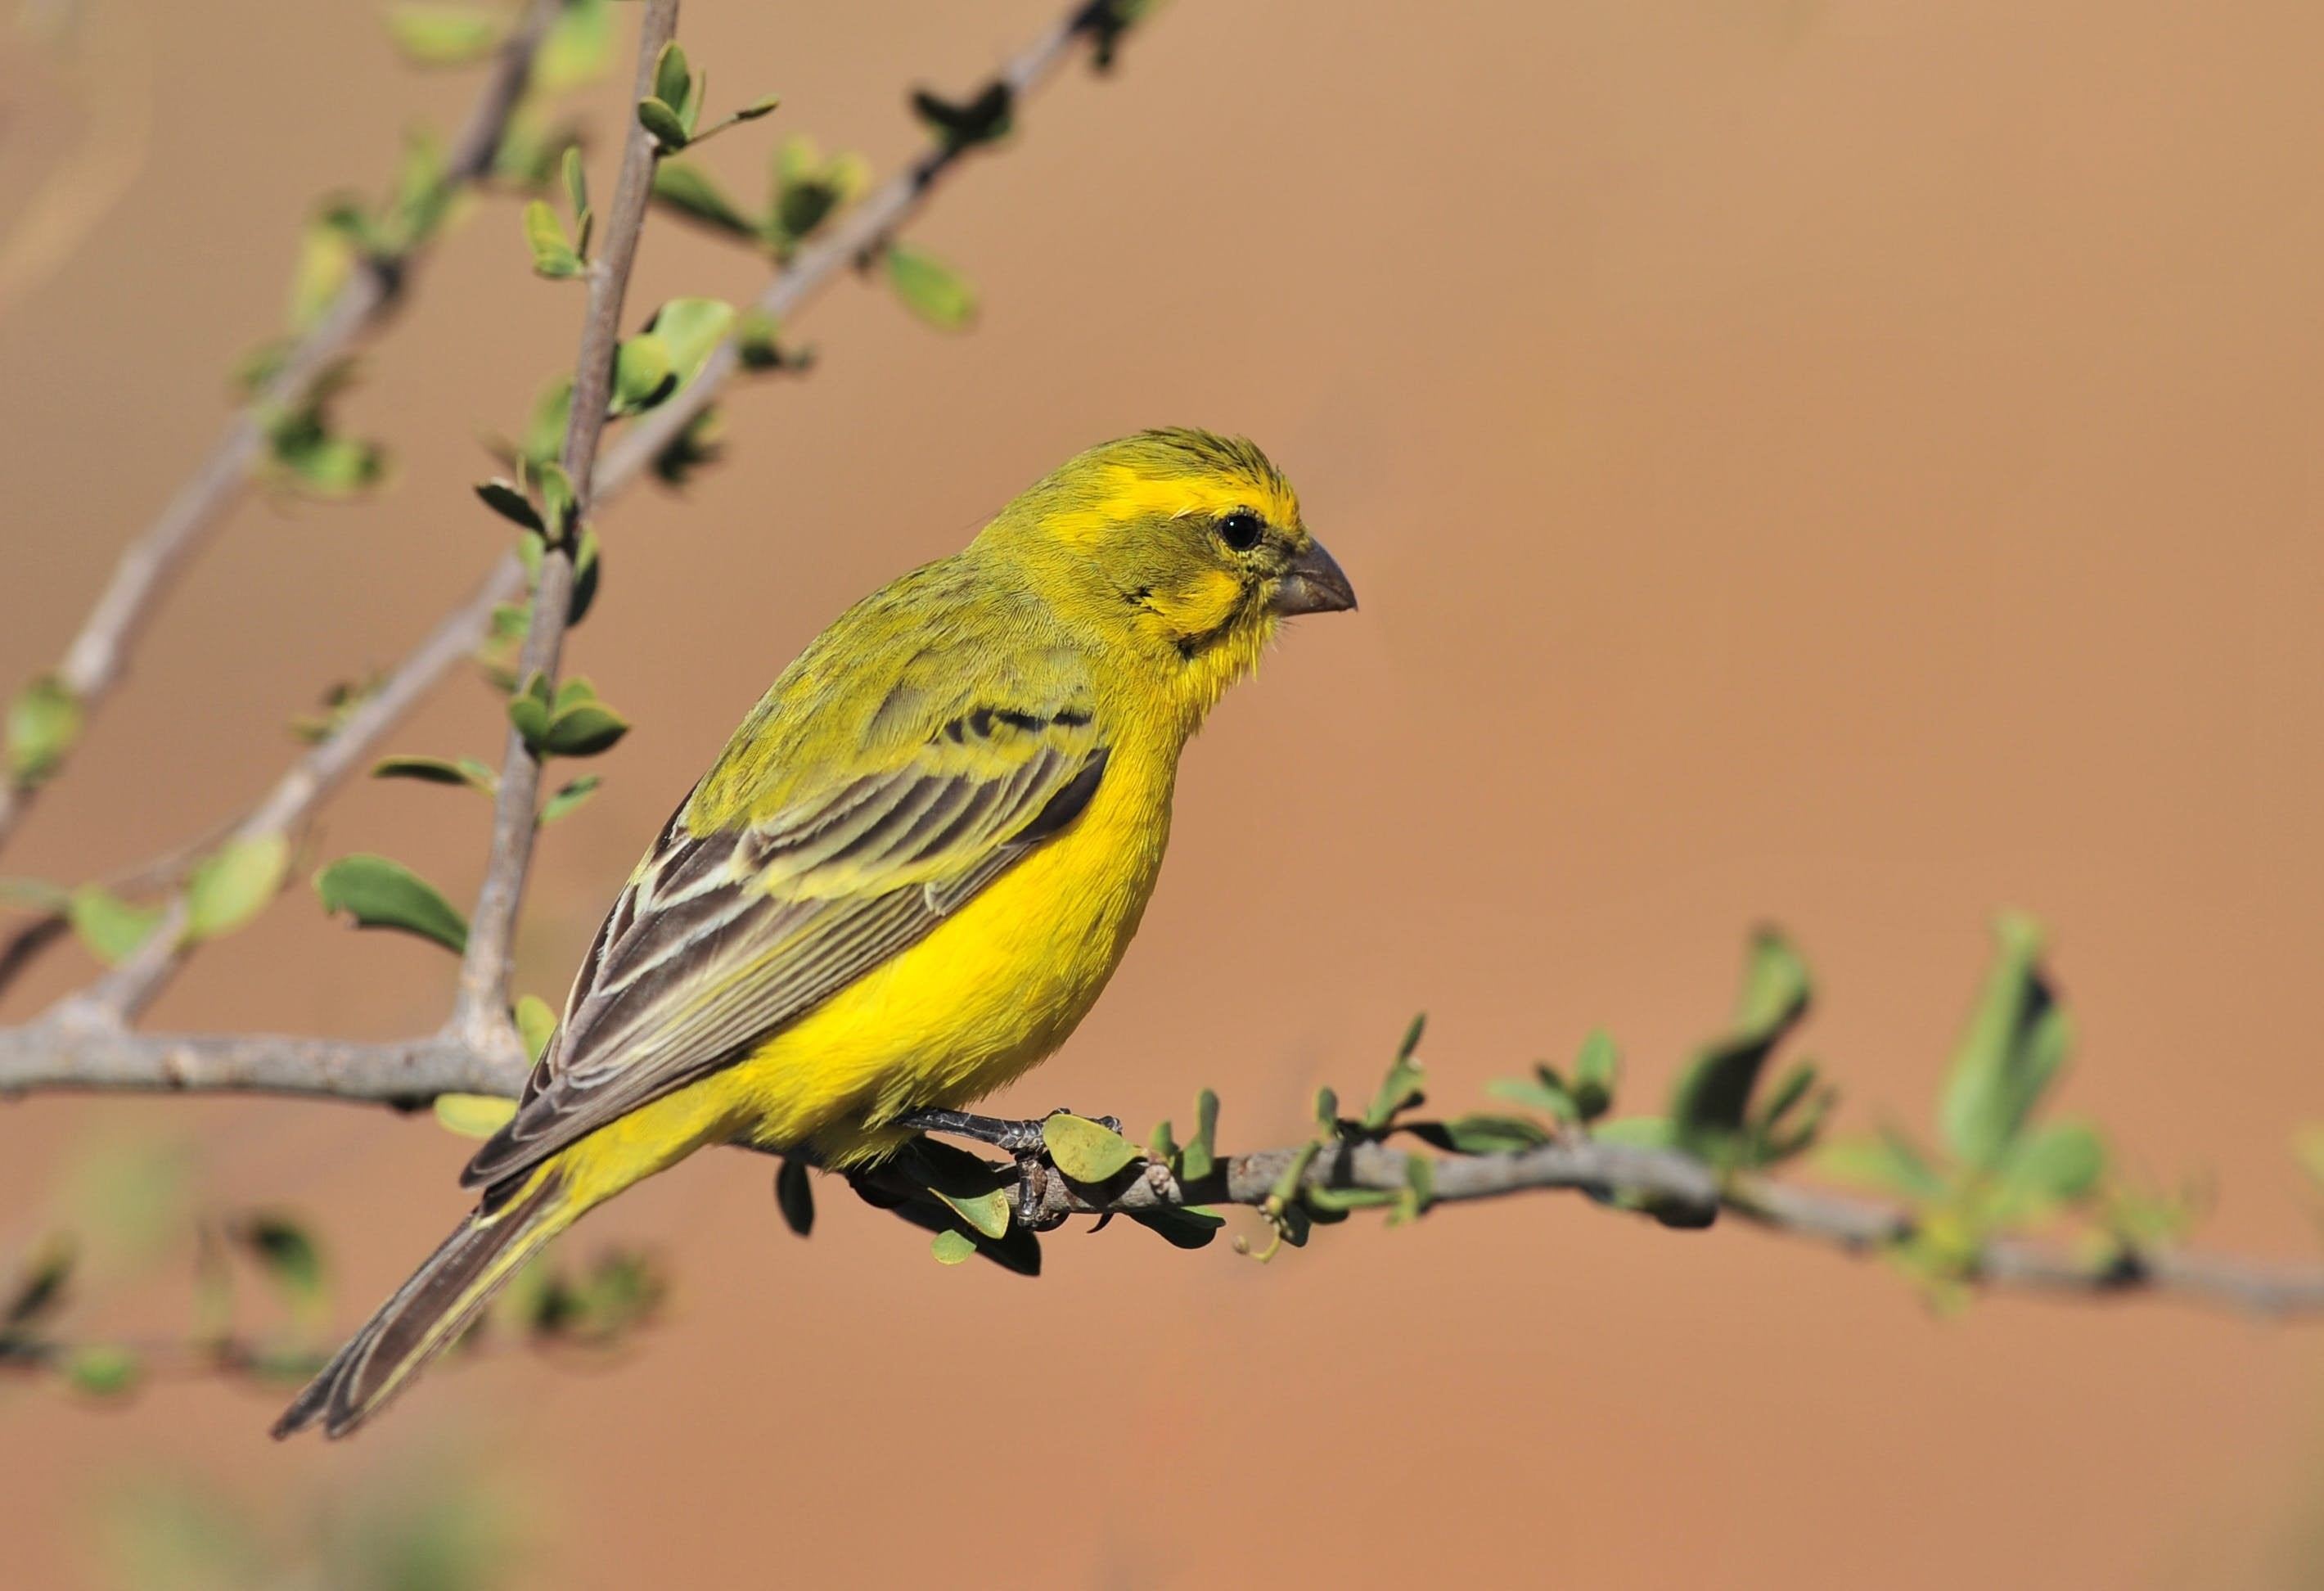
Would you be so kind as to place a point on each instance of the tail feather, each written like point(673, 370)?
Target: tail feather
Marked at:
point(429, 1312)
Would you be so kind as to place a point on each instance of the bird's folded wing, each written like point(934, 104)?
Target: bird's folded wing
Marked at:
point(722, 938)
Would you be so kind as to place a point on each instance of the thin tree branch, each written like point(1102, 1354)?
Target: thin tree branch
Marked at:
point(409, 1073)
point(99, 654)
point(481, 1009)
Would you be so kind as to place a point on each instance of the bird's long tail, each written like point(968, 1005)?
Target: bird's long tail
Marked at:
point(429, 1313)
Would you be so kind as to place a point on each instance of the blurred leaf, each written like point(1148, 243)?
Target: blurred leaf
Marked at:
point(288, 1258)
point(378, 892)
point(1638, 1132)
point(169, 1534)
point(473, 1116)
point(2055, 1164)
point(1889, 1163)
point(328, 252)
point(1400, 1089)
point(503, 498)
point(464, 771)
point(809, 189)
point(1544, 1091)
point(572, 794)
point(39, 1287)
point(929, 287)
point(2307, 1149)
point(576, 182)
point(111, 927)
point(1713, 1094)
point(44, 721)
point(103, 1370)
point(699, 444)
point(233, 883)
point(34, 895)
point(1597, 1073)
point(964, 124)
point(552, 254)
point(2012, 1050)
point(795, 1196)
point(444, 34)
point(950, 1248)
point(577, 47)
point(686, 188)
point(1083, 1149)
point(644, 373)
point(691, 329)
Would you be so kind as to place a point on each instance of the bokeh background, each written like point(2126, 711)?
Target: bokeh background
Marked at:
point(1846, 463)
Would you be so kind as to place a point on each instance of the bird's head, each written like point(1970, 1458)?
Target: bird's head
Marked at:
point(1183, 545)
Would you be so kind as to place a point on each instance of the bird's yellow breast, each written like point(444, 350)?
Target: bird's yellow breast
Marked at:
point(992, 992)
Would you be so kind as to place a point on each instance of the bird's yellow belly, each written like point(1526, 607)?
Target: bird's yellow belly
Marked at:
point(994, 991)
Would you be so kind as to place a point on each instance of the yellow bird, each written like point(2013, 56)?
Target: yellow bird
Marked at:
point(907, 876)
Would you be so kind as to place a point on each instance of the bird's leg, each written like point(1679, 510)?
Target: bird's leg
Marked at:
point(1020, 1140)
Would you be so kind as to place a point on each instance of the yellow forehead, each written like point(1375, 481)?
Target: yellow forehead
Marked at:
point(1122, 494)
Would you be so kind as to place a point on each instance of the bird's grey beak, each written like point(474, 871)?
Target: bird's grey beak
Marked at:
point(1315, 583)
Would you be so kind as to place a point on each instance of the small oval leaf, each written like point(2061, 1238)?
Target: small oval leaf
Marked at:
point(1083, 1149)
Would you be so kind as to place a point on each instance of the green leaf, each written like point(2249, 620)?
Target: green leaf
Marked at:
point(1890, 1163)
point(2012, 1050)
point(233, 883)
point(1200, 1157)
point(583, 731)
point(329, 249)
point(466, 771)
point(288, 1256)
point(1713, 1094)
point(929, 287)
point(575, 792)
point(445, 34)
point(103, 1370)
point(552, 255)
point(557, 498)
point(644, 373)
point(378, 892)
point(795, 1196)
point(950, 1247)
point(536, 1024)
point(987, 1212)
point(673, 79)
point(108, 925)
point(474, 1116)
point(1083, 1149)
point(1597, 1073)
point(657, 116)
point(577, 47)
point(1400, 1089)
point(1637, 1132)
point(687, 189)
point(691, 329)
point(1544, 1092)
point(1419, 1190)
point(44, 720)
point(966, 124)
point(577, 181)
point(2056, 1163)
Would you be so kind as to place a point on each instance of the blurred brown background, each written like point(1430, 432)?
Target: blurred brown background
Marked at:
point(1848, 462)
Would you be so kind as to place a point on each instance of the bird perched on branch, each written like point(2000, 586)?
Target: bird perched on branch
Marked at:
point(907, 876)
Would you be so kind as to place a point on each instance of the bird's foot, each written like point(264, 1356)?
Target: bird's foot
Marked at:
point(1020, 1140)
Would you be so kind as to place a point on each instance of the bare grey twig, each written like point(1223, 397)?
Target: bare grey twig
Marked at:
point(480, 1011)
point(98, 655)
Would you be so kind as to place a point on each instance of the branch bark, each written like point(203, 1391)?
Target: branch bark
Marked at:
point(480, 1011)
point(98, 655)
point(407, 1074)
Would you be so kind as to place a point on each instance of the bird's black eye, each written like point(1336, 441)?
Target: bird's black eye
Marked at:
point(1241, 530)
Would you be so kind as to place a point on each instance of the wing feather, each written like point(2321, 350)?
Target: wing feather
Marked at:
point(722, 939)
